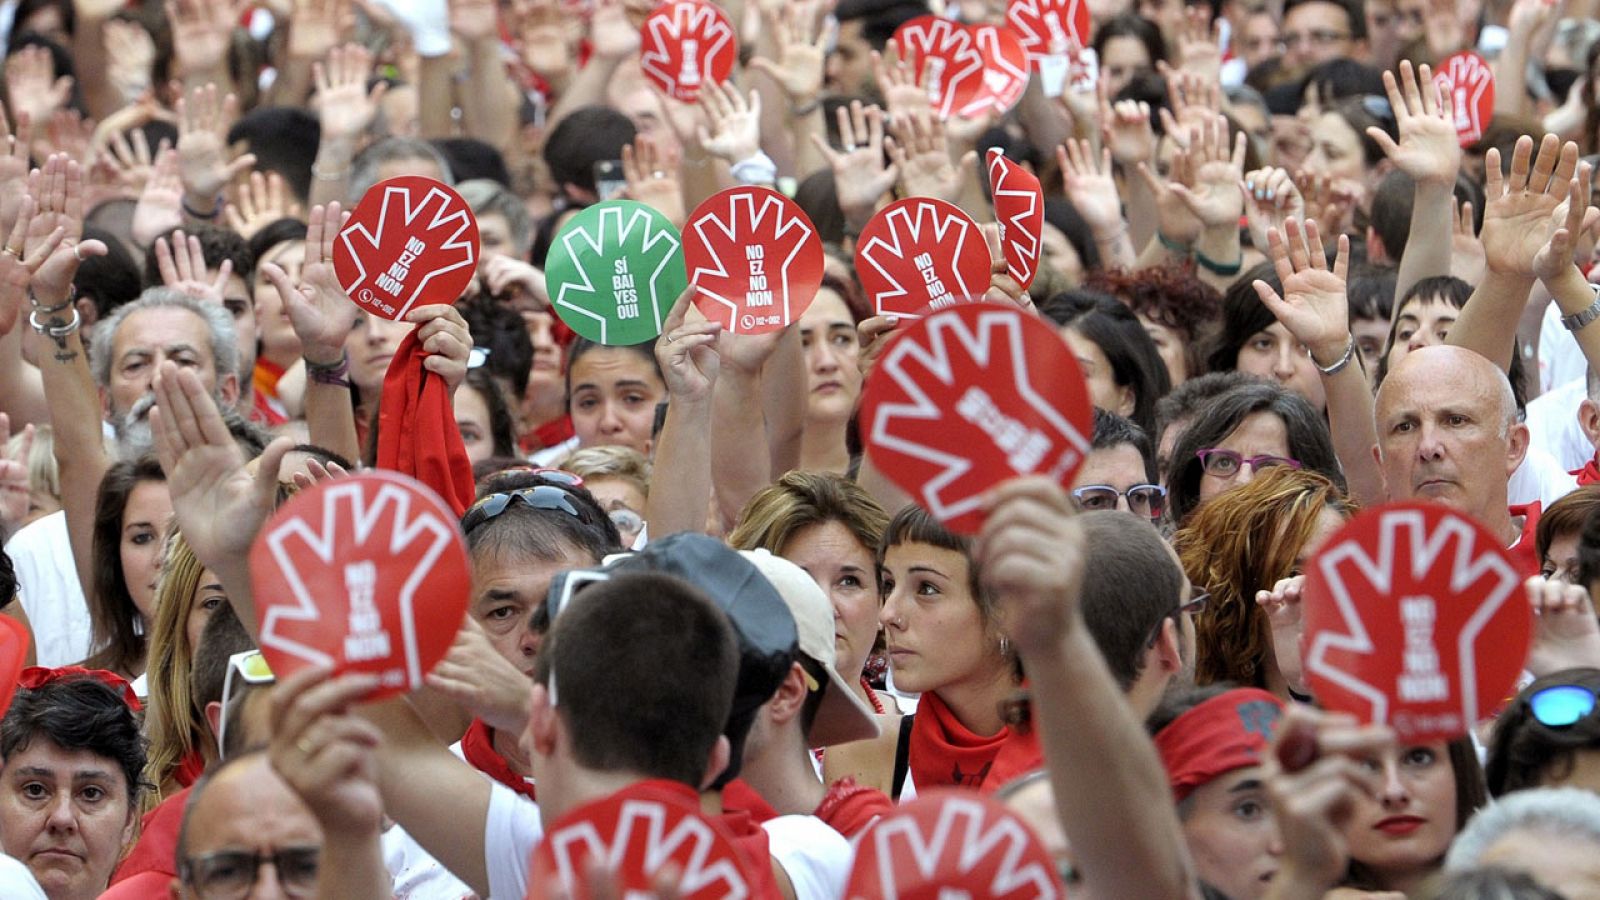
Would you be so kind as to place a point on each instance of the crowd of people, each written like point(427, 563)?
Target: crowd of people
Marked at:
point(1293, 287)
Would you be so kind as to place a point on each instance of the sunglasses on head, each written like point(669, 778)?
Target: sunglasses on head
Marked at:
point(1562, 705)
point(544, 496)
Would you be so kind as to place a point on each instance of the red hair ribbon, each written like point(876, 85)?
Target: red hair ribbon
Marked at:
point(35, 677)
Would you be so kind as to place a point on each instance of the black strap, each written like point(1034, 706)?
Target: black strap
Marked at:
point(902, 757)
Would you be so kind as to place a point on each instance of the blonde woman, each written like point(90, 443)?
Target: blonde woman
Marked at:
point(619, 479)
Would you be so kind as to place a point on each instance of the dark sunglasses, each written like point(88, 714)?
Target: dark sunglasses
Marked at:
point(544, 496)
point(1562, 705)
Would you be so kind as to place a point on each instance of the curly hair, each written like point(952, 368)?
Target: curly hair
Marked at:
point(1170, 295)
point(1241, 542)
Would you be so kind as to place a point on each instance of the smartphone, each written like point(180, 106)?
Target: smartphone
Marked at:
point(608, 179)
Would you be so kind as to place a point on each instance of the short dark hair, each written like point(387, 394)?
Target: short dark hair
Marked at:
point(1352, 11)
point(108, 280)
point(284, 139)
point(582, 347)
point(1308, 439)
point(588, 135)
point(658, 641)
point(1133, 26)
point(1112, 430)
point(1134, 584)
point(1522, 750)
point(543, 533)
point(222, 637)
point(216, 243)
point(1183, 402)
point(1391, 212)
point(879, 18)
point(78, 712)
point(1135, 363)
point(8, 580)
point(1371, 292)
point(914, 525)
point(281, 231)
point(1243, 315)
point(471, 158)
point(1455, 292)
point(1339, 78)
point(499, 329)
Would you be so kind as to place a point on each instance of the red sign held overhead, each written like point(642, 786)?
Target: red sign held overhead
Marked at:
point(684, 44)
point(1049, 27)
point(1415, 618)
point(1019, 207)
point(638, 834)
point(754, 258)
point(411, 241)
point(365, 574)
point(953, 843)
point(1005, 70)
point(921, 253)
point(1467, 82)
point(13, 654)
point(970, 397)
point(948, 52)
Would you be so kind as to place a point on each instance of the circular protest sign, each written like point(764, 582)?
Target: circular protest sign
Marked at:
point(921, 253)
point(13, 654)
point(754, 258)
point(1466, 80)
point(1005, 70)
point(364, 574)
point(1049, 27)
point(970, 397)
point(614, 272)
point(1019, 208)
point(684, 44)
point(1415, 618)
point(411, 241)
point(950, 843)
point(945, 56)
point(638, 834)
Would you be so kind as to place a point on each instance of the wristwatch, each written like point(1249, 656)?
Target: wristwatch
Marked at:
point(1577, 321)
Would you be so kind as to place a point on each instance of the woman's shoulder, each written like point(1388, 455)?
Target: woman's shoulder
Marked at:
point(870, 762)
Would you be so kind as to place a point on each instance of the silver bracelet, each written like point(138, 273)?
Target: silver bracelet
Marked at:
point(1336, 368)
point(55, 331)
point(1577, 321)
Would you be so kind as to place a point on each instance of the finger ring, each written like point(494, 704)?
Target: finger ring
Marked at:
point(77, 253)
point(659, 174)
point(850, 147)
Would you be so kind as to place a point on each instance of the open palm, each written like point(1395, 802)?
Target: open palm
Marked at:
point(1313, 305)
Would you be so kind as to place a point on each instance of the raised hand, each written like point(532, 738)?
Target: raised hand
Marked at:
point(160, 206)
point(1520, 210)
point(897, 80)
point(128, 159)
point(130, 56)
point(860, 175)
point(1429, 150)
point(1285, 620)
point(1195, 101)
point(201, 31)
point(1177, 222)
point(687, 352)
point(1089, 185)
point(319, 310)
point(443, 333)
point(325, 753)
point(68, 132)
point(1573, 219)
point(735, 132)
point(1200, 44)
point(203, 121)
point(315, 27)
point(260, 201)
point(1003, 288)
point(920, 152)
point(1565, 633)
point(32, 86)
point(182, 264)
point(1270, 201)
point(58, 189)
point(1030, 551)
point(1314, 306)
point(873, 333)
point(474, 20)
point(1328, 200)
point(650, 181)
point(1212, 195)
point(546, 39)
point(802, 48)
point(1125, 128)
point(344, 105)
point(611, 33)
point(14, 166)
point(481, 681)
point(15, 490)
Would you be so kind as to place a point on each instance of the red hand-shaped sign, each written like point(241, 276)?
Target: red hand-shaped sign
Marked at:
point(946, 54)
point(972, 396)
point(364, 574)
point(684, 44)
point(1049, 27)
point(1019, 207)
point(1467, 82)
point(754, 259)
point(13, 653)
point(1005, 70)
point(410, 242)
point(637, 834)
point(1415, 618)
point(918, 253)
point(952, 843)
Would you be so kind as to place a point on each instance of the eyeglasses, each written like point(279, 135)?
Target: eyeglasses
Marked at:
point(1143, 499)
point(627, 521)
point(1220, 463)
point(1562, 705)
point(544, 496)
point(1316, 37)
point(1192, 606)
point(251, 668)
point(230, 874)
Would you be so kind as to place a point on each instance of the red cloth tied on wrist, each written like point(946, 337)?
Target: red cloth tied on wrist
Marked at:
point(1229, 731)
point(417, 432)
point(35, 677)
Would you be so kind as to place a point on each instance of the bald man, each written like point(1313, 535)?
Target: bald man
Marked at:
point(1448, 432)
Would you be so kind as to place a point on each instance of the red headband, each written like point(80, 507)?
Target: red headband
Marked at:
point(1227, 732)
point(35, 677)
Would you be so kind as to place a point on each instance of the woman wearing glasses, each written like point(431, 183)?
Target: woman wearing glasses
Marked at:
point(1241, 433)
point(1240, 547)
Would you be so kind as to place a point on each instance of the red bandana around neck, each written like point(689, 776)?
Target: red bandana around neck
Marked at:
point(945, 754)
point(477, 745)
point(417, 433)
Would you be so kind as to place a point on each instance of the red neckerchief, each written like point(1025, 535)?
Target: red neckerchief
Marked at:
point(267, 408)
point(550, 434)
point(851, 808)
point(190, 768)
point(739, 796)
point(1589, 474)
point(477, 745)
point(156, 849)
point(417, 432)
point(945, 754)
point(1526, 551)
point(751, 839)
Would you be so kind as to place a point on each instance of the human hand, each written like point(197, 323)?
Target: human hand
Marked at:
point(1529, 17)
point(687, 352)
point(611, 33)
point(1125, 128)
point(316, 473)
point(1313, 306)
point(325, 753)
point(1566, 634)
point(516, 281)
point(1328, 200)
point(128, 160)
point(860, 175)
point(18, 263)
point(258, 202)
point(320, 312)
point(873, 333)
point(651, 182)
point(1195, 102)
point(1211, 192)
point(1200, 44)
point(182, 265)
point(735, 132)
point(15, 165)
point(16, 492)
point(802, 50)
point(1573, 219)
point(475, 20)
point(1285, 619)
point(921, 154)
point(547, 39)
point(201, 31)
point(345, 108)
point(160, 206)
point(203, 122)
point(315, 28)
point(1429, 150)
point(130, 57)
point(1444, 27)
point(1175, 221)
point(1466, 251)
point(32, 86)
point(1270, 200)
point(444, 335)
point(1030, 551)
point(68, 133)
point(58, 190)
point(1090, 186)
point(902, 93)
point(1004, 289)
point(1520, 210)
point(481, 681)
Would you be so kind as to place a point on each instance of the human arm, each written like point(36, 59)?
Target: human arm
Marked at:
point(1528, 21)
point(1212, 197)
point(21, 392)
point(1093, 192)
point(742, 467)
point(204, 118)
point(1111, 794)
point(89, 55)
point(680, 491)
point(490, 102)
point(1555, 266)
point(345, 108)
point(1430, 153)
point(1125, 128)
point(789, 77)
point(314, 28)
point(613, 39)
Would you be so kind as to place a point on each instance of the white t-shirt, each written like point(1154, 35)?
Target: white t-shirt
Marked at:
point(510, 833)
point(1553, 424)
point(1560, 357)
point(16, 882)
point(1539, 478)
point(51, 596)
point(814, 856)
